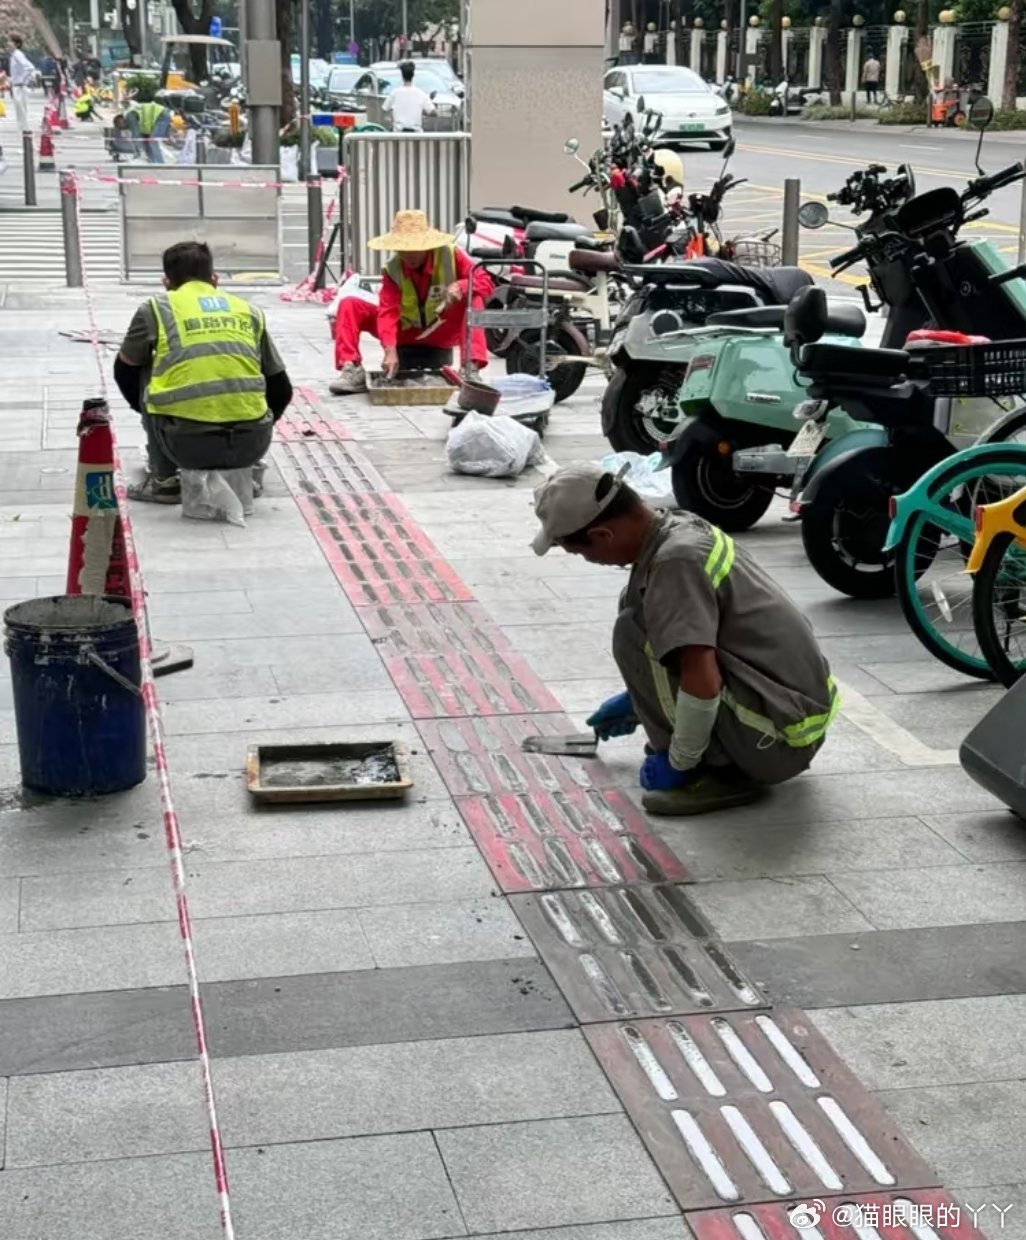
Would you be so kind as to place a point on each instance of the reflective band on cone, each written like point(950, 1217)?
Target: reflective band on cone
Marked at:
point(46, 159)
point(97, 563)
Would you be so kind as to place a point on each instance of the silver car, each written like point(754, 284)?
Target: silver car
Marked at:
point(691, 110)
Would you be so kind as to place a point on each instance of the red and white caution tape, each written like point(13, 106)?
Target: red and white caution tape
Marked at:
point(172, 830)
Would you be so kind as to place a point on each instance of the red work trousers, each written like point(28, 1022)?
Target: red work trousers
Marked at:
point(356, 316)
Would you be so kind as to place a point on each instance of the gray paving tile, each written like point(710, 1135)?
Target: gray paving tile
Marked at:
point(971, 1133)
point(10, 896)
point(774, 908)
point(995, 836)
point(198, 603)
point(418, 934)
point(945, 1042)
point(252, 714)
point(172, 1197)
point(367, 1188)
point(642, 1229)
point(322, 620)
point(70, 1117)
point(238, 889)
point(940, 896)
point(61, 1033)
point(198, 683)
point(281, 944)
point(999, 1210)
point(867, 649)
point(198, 577)
point(405, 1087)
point(109, 958)
point(889, 965)
point(711, 852)
point(552, 1173)
point(918, 676)
point(941, 720)
point(384, 1005)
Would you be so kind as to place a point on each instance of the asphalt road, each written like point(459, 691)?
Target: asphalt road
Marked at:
point(822, 156)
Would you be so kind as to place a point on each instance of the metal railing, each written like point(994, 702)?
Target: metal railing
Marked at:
point(390, 172)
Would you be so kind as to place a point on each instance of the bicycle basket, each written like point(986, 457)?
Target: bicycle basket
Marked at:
point(996, 369)
point(751, 252)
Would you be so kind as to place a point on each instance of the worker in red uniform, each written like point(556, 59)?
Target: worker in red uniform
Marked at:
point(422, 306)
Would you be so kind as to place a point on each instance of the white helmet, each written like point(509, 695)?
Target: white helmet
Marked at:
point(671, 165)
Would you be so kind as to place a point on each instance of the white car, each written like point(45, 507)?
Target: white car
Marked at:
point(691, 110)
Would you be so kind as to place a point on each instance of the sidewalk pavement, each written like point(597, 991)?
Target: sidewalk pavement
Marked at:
point(513, 1005)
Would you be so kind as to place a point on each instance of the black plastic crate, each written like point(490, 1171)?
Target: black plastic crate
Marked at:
point(996, 369)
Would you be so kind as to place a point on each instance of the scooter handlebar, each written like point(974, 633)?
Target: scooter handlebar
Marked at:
point(583, 183)
point(846, 260)
point(987, 185)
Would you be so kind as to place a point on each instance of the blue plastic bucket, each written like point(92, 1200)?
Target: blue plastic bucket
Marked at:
point(75, 674)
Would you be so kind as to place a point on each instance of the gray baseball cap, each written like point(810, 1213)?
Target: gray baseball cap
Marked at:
point(566, 503)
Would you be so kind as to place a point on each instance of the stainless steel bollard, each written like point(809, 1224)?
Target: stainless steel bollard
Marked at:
point(789, 228)
point(72, 240)
point(29, 157)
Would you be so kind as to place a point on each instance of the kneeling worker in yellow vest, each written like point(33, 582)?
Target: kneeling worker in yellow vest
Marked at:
point(722, 670)
point(200, 367)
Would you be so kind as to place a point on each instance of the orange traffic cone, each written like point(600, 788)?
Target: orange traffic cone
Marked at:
point(46, 159)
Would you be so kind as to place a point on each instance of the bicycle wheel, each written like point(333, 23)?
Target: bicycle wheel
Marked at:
point(999, 608)
point(933, 587)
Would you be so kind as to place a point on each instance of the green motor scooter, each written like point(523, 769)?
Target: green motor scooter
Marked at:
point(741, 438)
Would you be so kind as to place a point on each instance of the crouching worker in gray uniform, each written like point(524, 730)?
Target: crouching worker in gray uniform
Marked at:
point(722, 670)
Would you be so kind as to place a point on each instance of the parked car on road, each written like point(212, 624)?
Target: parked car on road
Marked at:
point(374, 85)
point(691, 110)
point(439, 66)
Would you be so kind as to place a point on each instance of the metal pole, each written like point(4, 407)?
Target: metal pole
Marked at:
point(352, 21)
point(789, 230)
point(406, 29)
point(29, 156)
point(742, 40)
point(304, 89)
point(143, 22)
point(69, 221)
point(263, 83)
point(94, 26)
point(71, 34)
point(314, 217)
point(1022, 226)
point(242, 40)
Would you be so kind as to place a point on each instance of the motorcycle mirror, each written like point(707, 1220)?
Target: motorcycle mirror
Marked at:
point(571, 146)
point(729, 149)
point(813, 215)
point(641, 105)
point(981, 113)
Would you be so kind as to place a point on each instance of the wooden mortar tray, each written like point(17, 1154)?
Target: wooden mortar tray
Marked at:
point(435, 389)
point(259, 757)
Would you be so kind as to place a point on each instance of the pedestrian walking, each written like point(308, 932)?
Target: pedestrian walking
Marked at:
point(20, 73)
point(871, 77)
point(408, 104)
point(722, 670)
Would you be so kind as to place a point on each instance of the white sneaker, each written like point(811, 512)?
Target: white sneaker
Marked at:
point(350, 379)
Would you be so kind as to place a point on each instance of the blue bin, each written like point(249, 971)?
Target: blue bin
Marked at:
point(75, 673)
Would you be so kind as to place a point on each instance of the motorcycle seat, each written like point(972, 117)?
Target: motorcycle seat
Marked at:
point(841, 365)
point(497, 215)
point(565, 282)
point(538, 231)
point(591, 262)
point(549, 217)
point(842, 319)
point(486, 251)
point(777, 285)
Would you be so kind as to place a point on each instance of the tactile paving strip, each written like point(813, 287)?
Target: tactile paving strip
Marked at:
point(377, 551)
point(548, 841)
point(625, 952)
point(750, 1107)
point(929, 1214)
point(450, 660)
point(315, 466)
point(482, 756)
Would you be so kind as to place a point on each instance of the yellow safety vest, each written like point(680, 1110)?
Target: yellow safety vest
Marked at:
point(206, 364)
point(412, 314)
point(149, 114)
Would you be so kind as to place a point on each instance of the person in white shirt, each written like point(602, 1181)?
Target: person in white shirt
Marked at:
point(408, 104)
point(21, 73)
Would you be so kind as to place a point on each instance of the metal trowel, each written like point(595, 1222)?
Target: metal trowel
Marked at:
point(571, 745)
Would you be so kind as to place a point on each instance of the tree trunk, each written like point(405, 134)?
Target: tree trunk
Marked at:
point(193, 23)
point(129, 28)
point(924, 51)
point(728, 17)
point(1010, 86)
point(776, 47)
point(324, 39)
point(833, 68)
point(283, 11)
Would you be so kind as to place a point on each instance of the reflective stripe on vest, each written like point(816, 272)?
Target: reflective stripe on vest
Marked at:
point(720, 560)
point(807, 731)
point(443, 273)
point(206, 363)
point(665, 691)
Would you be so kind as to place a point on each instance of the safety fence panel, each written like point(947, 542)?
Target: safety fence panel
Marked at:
point(390, 172)
point(235, 209)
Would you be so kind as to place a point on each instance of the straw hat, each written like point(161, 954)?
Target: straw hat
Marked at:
point(410, 231)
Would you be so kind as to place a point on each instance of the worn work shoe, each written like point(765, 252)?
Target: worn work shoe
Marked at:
point(350, 379)
point(708, 793)
point(154, 490)
point(472, 371)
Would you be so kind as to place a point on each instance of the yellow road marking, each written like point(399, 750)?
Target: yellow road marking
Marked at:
point(947, 173)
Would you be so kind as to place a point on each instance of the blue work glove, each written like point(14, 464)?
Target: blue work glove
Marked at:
point(657, 775)
point(615, 717)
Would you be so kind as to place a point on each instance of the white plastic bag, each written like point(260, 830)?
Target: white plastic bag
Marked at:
point(289, 163)
point(187, 155)
point(217, 494)
point(643, 476)
point(492, 447)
